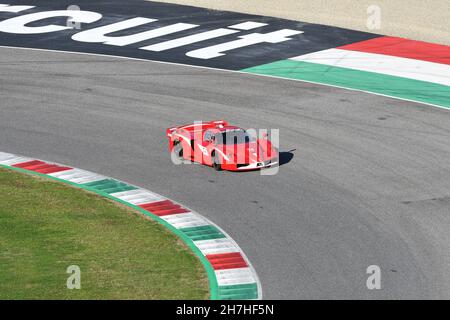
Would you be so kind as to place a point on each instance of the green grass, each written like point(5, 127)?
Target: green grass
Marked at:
point(46, 226)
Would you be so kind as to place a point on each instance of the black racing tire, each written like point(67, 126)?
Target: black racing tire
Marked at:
point(178, 150)
point(216, 162)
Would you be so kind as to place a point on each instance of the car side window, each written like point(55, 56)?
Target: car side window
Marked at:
point(207, 136)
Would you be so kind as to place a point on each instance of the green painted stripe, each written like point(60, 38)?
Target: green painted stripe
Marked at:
point(110, 186)
point(239, 291)
point(213, 286)
point(392, 86)
point(207, 232)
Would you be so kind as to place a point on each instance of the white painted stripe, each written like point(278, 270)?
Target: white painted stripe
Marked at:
point(69, 174)
point(78, 176)
point(185, 220)
point(234, 276)
point(129, 193)
point(138, 200)
point(215, 246)
point(15, 160)
point(99, 35)
point(88, 179)
point(379, 63)
point(12, 8)
point(248, 25)
point(5, 156)
point(138, 196)
point(189, 39)
point(66, 174)
point(243, 41)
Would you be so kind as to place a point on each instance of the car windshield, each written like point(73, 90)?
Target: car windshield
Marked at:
point(234, 137)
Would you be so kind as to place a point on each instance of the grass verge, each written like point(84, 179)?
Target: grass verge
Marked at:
point(46, 226)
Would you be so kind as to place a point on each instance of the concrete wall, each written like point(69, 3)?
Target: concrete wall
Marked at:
point(427, 20)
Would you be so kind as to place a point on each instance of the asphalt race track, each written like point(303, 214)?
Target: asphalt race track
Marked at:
point(366, 179)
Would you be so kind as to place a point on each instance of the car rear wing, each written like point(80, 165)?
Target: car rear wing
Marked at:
point(170, 131)
point(203, 125)
point(218, 123)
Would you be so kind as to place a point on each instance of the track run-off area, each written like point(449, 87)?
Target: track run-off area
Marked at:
point(365, 179)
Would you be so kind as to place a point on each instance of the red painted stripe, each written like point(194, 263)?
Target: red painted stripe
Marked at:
point(403, 48)
point(24, 165)
point(161, 213)
point(155, 204)
point(41, 167)
point(168, 207)
point(38, 166)
point(163, 208)
point(53, 169)
point(222, 261)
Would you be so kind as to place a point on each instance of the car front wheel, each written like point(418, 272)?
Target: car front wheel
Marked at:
point(216, 162)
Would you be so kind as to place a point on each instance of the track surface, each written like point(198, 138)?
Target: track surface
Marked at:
point(369, 182)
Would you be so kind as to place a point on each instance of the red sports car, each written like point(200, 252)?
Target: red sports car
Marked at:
point(222, 146)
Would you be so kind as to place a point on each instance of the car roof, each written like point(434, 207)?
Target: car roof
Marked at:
point(189, 129)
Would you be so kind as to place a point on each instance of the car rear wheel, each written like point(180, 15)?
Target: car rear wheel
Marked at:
point(178, 151)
